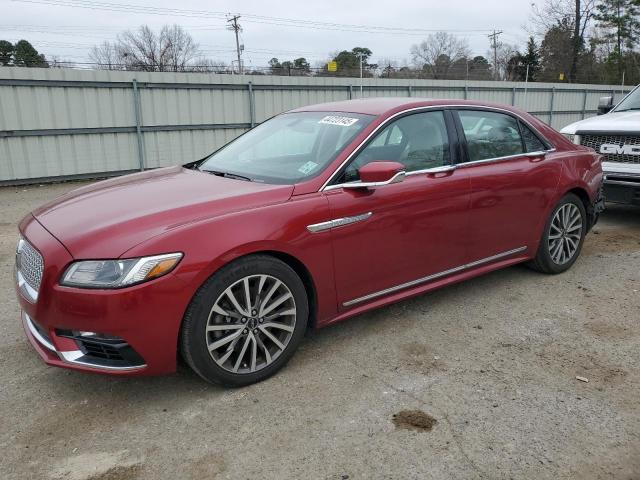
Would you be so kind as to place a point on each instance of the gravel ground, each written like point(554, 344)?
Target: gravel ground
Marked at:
point(477, 380)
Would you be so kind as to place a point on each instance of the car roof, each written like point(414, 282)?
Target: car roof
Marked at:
point(386, 105)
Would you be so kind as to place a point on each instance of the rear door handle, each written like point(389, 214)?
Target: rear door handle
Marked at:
point(537, 156)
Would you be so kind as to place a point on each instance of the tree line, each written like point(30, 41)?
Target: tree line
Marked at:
point(584, 41)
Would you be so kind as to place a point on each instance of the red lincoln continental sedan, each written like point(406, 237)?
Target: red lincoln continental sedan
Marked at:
point(314, 216)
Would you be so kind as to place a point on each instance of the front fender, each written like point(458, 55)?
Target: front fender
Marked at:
point(210, 244)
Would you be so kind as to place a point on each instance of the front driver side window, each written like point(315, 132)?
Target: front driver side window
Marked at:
point(419, 141)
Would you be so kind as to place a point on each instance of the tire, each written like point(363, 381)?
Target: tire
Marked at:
point(228, 343)
point(557, 255)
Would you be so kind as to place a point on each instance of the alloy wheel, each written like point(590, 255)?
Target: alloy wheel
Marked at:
point(251, 323)
point(565, 233)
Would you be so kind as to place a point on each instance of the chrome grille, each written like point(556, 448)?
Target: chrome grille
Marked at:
point(596, 141)
point(29, 264)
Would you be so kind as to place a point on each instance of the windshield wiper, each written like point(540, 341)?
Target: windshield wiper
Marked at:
point(227, 175)
point(628, 109)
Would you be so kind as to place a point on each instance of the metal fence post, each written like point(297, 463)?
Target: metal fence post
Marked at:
point(252, 106)
point(410, 90)
point(138, 115)
point(513, 97)
point(350, 92)
point(584, 104)
point(553, 94)
point(466, 92)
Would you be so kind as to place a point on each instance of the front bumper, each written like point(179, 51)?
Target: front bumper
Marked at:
point(622, 183)
point(65, 352)
point(129, 331)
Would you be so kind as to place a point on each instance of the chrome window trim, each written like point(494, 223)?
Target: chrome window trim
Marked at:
point(338, 222)
point(325, 185)
point(508, 157)
point(434, 276)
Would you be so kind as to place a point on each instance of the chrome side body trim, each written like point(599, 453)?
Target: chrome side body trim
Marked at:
point(426, 108)
point(434, 276)
point(337, 222)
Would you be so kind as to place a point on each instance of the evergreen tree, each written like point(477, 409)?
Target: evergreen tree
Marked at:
point(6, 52)
point(25, 55)
point(619, 18)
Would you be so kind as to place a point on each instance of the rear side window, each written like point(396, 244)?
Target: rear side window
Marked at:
point(490, 134)
point(531, 141)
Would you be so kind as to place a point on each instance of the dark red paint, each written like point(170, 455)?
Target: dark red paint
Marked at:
point(426, 224)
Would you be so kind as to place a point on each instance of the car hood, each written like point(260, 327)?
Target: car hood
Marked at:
point(617, 122)
point(106, 219)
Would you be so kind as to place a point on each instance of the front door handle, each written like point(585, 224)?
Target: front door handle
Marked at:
point(442, 169)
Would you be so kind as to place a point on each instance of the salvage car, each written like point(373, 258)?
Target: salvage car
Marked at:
point(615, 134)
point(316, 215)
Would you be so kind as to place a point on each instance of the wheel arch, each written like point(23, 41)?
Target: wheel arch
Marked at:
point(305, 275)
point(297, 265)
point(583, 195)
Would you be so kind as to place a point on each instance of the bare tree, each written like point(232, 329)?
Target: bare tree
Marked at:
point(170, 50)
point(105, 56)
point(207, 65)
point(439, 52)
point(503, 55)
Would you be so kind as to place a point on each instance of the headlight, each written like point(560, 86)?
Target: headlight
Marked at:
point(118, 273)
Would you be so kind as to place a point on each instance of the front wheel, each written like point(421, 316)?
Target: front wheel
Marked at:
point(563, 236)
point(245, 322)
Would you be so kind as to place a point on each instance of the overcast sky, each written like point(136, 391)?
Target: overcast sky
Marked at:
point(65, 29)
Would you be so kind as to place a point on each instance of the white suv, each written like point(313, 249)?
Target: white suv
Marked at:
point(615, 134)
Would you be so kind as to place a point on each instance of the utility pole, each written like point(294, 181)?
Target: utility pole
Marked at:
point(494, 44)
point(360, 57)
point(237, 29)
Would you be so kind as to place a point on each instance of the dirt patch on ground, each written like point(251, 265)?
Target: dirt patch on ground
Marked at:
point(609, 330)
point(419, 357)
point(119, 473)
point(414, 420)
point(612, 241)
point(583, 364)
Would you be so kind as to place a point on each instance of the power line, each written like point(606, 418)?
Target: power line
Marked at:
point(290, 22)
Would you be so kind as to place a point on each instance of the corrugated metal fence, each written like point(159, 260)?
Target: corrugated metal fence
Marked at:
point(58, 123)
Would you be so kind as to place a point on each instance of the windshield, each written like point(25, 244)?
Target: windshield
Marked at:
point(288, 148)
point(632, 102)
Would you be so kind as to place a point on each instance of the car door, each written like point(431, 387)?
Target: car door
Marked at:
point(401, 232)
point(513, 177)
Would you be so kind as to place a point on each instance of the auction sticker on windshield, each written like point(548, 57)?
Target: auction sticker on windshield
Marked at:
point(307, 168)
point(336, 120)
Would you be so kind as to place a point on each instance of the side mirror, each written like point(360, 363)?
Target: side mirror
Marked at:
point(605, 105)
point(378, 173)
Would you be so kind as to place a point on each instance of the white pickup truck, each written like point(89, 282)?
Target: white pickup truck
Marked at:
point(614, 133)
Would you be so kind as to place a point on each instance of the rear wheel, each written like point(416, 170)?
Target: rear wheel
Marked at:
point(245, 322)
point(563, 236)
